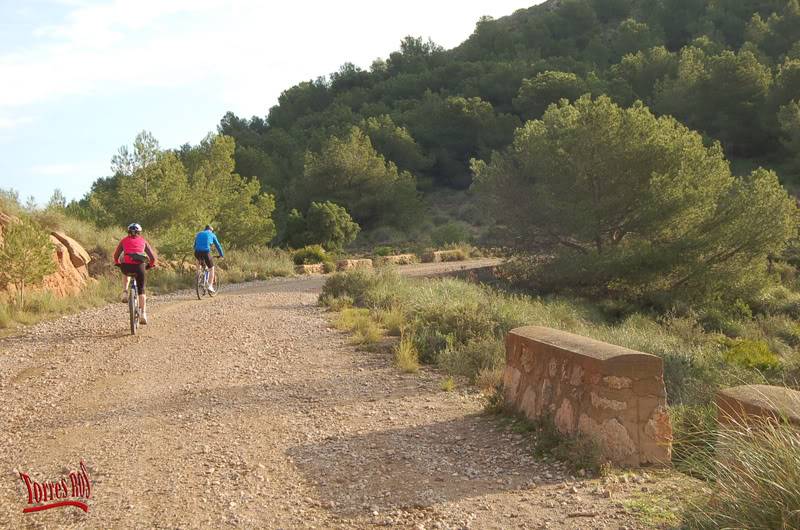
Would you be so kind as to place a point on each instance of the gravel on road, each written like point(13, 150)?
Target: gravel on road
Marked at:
point(249, 410)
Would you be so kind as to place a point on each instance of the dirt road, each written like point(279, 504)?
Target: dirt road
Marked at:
point(250, 411)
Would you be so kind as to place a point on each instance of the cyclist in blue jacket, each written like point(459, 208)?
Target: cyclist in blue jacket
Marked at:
point(202, 251)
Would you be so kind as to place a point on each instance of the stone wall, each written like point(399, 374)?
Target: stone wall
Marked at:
point(440, 256)
point(399, 259)
point(611, 394)
point(758, 402)
point(316, 268)
point(350, 264)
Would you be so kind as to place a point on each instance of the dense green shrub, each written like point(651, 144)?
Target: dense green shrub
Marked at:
point(751, 354)
point(310, 255)
point(296, 235)
point(382, 250)
point(356, 284)
point(449, 233)
point(26, 254)
point(326, 224)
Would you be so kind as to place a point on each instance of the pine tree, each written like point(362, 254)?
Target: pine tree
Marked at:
point(26, 255)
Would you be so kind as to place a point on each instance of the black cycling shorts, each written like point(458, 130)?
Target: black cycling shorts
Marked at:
point(137, 270)
point(204, 257)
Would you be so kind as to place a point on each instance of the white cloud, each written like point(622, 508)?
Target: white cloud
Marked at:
point(250, 48)
point(7, 123)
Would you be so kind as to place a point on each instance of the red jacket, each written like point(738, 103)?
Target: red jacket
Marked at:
point(133, 246)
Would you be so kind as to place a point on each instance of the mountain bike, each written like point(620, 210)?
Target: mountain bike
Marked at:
point(133, 302)
point(201, 281)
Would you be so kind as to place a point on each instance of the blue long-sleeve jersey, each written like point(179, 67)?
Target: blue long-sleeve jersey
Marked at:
point(203, 241)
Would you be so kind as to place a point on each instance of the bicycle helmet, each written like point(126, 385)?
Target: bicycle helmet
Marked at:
point(134, 228)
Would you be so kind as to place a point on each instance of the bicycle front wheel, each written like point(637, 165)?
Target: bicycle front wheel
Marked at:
point(217, 283)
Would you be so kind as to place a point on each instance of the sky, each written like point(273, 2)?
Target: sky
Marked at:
point(79, 79)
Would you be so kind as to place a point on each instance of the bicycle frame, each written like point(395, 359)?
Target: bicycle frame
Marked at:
point(201, 280)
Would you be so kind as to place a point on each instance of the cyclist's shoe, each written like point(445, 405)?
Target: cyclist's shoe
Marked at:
point(211, 289)
point(125, 296)
point(143, 318)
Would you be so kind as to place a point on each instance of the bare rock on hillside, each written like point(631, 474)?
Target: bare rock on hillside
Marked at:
point(78, 255)
point(71, 259)
point(68, 279)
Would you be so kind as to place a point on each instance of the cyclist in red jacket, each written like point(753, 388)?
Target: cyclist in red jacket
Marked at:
point(133, 256)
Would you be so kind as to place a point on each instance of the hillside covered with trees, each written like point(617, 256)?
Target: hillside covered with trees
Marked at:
point(727, 68)
point(623, 139)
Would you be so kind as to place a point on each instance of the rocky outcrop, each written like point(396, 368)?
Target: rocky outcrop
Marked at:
point(748, 403)
point(72, 271)
point(614, 395)
point(71, 259)
point(77, 254)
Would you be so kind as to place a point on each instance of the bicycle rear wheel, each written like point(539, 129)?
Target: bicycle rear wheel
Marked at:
point(198, 284)
point(133, 307)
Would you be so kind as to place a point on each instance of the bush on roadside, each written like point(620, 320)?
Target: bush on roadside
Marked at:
point(359, 322)
point(382, 250)
point(256, 263)
point(393, 319)
point(754, 477)
point(406, 356)
point(751, 354)
point(490, 381)
point(450, 233)
point(473, 358)
point(460, 326)
point(448, 384)
point(693, 433)
point(162, 280)
point(42, 305)
point(310, 255)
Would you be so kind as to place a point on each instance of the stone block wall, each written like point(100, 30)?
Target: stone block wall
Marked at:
point(440, 256)
point(614, 395)
point(399, 259)
point(350, 264)
point(316, 268)
point(743, 404)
